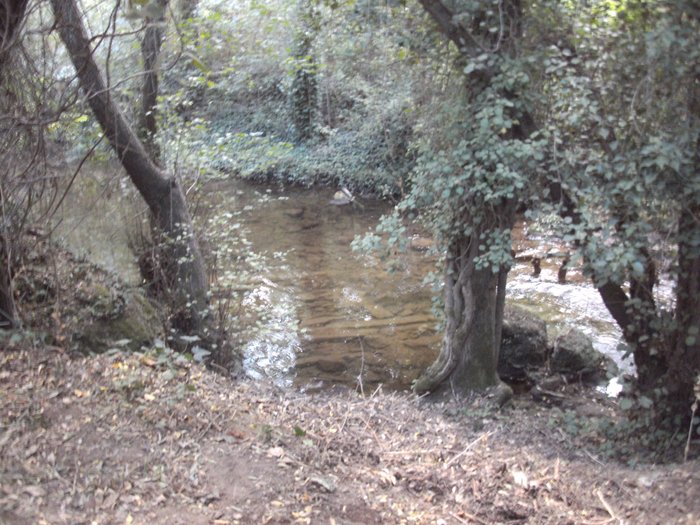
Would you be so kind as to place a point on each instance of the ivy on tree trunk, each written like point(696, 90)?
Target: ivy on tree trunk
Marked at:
point(474, 306)
point(474, 293)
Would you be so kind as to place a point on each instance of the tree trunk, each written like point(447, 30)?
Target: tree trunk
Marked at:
point(11, 16)
point(473, 318)
point(8, 310)
point(187, 9)
point(635, 313)
point(304, 89)
point(474, 297)
point(684, 358)
point(150, 51)
point(185, 270)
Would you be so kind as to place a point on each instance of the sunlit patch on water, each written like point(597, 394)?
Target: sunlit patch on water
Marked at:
point(273, 348)
point(566, 306)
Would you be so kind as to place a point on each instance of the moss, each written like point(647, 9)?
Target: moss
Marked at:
point(138, 322)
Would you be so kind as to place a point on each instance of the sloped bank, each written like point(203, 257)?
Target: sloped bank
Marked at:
point(150, 438)
point(76, 305)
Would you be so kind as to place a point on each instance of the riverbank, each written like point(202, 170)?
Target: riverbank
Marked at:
point(153, 438)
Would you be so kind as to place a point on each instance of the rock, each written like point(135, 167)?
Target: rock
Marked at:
point(88, 308)
point(420, 244)
point(574, 356)
point(523, 344)
point(295, 213)
point(135, 323)
point(342, 197)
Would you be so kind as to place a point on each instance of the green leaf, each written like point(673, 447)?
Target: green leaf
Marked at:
point(199, 64)
point(644, 402)
point(298, 431)
point(626, 404)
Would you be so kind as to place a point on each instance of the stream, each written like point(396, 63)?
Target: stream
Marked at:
point(311, 313)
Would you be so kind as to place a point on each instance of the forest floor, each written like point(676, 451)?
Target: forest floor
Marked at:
point(129, 438)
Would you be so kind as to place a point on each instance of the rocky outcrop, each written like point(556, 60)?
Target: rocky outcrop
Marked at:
point(80, 306)
point(574, 357)
point(523, 344)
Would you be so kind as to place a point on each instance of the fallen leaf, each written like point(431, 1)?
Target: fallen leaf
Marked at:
point(275, 452)
point(149, 361)
point(520, 479)
point(35, 491)
point(236, 433)
point(325, 483)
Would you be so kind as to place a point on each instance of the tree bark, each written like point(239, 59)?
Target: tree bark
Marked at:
point(474, 297)
point(8, 309)
point(444, 18)
point(684, 360)
point(150, 51)
point(304, 89)
point(473, 318)
point(185, 271)
point(11, 17)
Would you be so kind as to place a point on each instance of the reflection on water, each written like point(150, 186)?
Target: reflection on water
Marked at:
point(331, 316)
point(327, 315)
point(309, 311)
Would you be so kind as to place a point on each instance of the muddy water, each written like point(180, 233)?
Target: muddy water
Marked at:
point(311, 312)
point(332, 316)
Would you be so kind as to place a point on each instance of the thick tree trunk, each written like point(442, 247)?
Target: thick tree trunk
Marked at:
point(150, 51)
point(474, 307)
point(684, 359)
point(11, 16)
point(185, 270)
point(474, 297)
point(469, 355)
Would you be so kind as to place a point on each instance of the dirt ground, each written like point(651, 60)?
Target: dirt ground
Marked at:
point(153, 439)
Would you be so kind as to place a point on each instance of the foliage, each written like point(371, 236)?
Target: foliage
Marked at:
point(616, 101)
point(236, 108)
point(618, 437)
point(584, 111)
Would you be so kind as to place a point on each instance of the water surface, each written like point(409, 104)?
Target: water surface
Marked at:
point(307, 310)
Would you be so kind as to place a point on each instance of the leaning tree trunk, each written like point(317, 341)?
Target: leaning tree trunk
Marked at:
point(474, 305)
point(11, 16)
point(150, 51)
point(184, 269)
